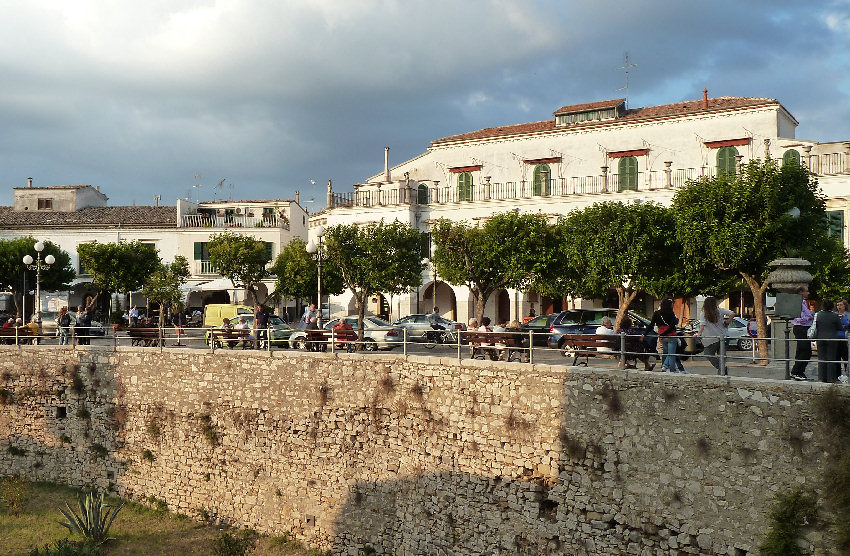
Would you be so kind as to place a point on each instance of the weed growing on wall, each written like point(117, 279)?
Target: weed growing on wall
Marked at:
point(7, 397)
point(790, 514)
point(833, 410)
point(207, 429)
point(148, 456)
point(15, 451)
point(99, 451)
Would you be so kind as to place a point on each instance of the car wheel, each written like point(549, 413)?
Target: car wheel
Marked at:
point(745, 344)
point(299, 343)
point(369, 345)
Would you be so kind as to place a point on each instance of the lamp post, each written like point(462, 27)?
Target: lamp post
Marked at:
point(314, 249)
point(37, 265)
point(427, 261)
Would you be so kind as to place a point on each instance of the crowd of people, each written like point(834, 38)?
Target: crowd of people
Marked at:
point(828, 328)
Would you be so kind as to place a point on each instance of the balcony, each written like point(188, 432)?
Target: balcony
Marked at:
point(234, 221)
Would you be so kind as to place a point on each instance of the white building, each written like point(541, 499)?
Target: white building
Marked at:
point(584, 154)
point(70, 215)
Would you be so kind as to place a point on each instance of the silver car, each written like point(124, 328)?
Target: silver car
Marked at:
point(377, 334)
point(419, 325)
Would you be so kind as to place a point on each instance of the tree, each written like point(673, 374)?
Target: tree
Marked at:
point(118, 267)
point(163, 285)
point(740, 223)
point(375, 258)
point(12, 269)
point(630, 248)
point(506, 252)
point(297, 273)
point(241, 259)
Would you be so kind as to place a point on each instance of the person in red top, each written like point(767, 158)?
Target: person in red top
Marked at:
point(9, 323)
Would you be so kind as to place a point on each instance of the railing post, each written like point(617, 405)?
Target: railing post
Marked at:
point(623, 350)
point(160, 337)
point(723, 370)
point(269, 338)
point(531, 347)
point(333, 333)
point(17, 340)
point(787, 353)
point(459, 333)
point(404, 340)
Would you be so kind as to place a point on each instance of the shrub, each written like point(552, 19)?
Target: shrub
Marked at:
point(790, 513)
point(69, 548)
point(147, 455)
point(15, 492)
point(234, 545)
point(95, 517)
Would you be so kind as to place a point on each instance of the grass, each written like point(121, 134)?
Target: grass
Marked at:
point(138, 529)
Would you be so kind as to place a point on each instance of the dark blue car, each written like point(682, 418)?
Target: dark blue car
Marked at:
point(584, 321)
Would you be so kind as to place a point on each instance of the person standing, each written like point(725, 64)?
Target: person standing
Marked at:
point(841, 308)
point(309, 313)
point(666, 320)
point(83, 326)
point(261, 323)
point(827, 325)
point(63, 322)
point(801, 325)
point(712, 329)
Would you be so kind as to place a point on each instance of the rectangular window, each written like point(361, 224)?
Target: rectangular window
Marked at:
point(835, 223)
point(45, 204)
point(270, 250)
point(201, 251)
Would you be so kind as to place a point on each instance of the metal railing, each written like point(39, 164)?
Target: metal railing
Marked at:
point(233, 221)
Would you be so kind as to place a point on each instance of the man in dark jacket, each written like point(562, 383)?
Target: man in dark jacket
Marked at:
point(261, 325)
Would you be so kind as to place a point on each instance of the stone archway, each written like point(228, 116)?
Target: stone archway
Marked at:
point(446, 301)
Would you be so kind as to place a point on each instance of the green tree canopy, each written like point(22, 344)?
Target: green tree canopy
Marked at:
point(12, 269)
point(506, 252)
point(118, 267)
point(297, 273)
point(375, 258)
point(242, 259)
point(163, 285)
point(740, 223)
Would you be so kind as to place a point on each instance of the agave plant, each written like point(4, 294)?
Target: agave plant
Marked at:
point(95, 517)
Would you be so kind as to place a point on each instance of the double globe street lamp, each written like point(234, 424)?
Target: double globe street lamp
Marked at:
point(315, 249)
point(38, 265)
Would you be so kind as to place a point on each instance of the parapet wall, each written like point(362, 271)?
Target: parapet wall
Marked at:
point(418, 455)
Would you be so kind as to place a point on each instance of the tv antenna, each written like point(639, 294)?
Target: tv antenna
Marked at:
point(197, 187)
point(626, 67)
point(220, 187)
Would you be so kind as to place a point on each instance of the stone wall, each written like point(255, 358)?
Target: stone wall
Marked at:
point(418, 455)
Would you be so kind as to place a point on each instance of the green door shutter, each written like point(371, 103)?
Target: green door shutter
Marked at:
point(541, 179)
point(726, 161)
point(464, 186)
point(628, 173)
point(791, 157)
point(835, 223)
point(199, 250)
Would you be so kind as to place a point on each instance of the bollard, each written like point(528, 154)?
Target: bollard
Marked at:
point(787, 354)
point(723, 370)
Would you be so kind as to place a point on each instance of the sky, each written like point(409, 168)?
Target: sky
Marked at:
point(266, 97)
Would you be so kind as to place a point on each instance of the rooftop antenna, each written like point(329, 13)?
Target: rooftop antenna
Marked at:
point(626, 67)
point(230, 193)
point(197, 187)
point(220, 187)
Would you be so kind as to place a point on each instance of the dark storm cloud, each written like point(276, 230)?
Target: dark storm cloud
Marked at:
point(138, 98)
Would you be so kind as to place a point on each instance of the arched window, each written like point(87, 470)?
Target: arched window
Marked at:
point(791, 156)
point(726, 161)
point(541, 179)
point(628, 170)
point(464, 186)
point(422, 194)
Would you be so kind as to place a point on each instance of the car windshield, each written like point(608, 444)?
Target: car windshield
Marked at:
point(571, 317)
point(378, 322)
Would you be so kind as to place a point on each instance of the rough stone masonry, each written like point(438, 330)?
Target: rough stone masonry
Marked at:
point(418, 455)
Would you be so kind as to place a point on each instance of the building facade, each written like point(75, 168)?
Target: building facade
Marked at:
point(584, 154)
point(70, 215)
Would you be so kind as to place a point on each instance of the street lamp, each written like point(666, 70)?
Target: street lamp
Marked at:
point(314, 249)
point(37, 265)
point(426, 261)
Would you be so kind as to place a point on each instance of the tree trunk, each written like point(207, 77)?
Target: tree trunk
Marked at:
point(625, 298)
point(480, 299)
point(361, 311)
point(759, 310)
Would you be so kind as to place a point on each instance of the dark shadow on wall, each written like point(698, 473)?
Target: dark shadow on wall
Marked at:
point(636, 469)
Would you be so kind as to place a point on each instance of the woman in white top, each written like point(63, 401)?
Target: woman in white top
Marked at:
point(712, 328)
point(606, 328)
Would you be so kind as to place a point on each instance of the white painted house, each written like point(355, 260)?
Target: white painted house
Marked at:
point(70, 215)
point(583, 154)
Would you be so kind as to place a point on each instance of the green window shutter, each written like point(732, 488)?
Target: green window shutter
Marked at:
point(542, 175)
point(726, 161)
point(791, 156)
point(199, 250)
point(835, 224)
point(425, 244)
point(269, 249)
point(422, 194)
point(464, 186)
point(628, 173)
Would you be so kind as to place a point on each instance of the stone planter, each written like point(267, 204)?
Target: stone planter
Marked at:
point(789, 274)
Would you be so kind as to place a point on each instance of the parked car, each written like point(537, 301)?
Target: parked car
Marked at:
point(540, 326)
point(738, 336)
point(419, 325)
point(583, 321)
point(377, 333)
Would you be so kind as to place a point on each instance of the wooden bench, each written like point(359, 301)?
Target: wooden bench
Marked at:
point(221, 336)
point(483, 345)
point(318, 340)
point(24, 334)
point(587, 345)
point(143, 336)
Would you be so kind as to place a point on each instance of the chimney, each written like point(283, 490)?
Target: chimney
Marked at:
point(29, 182)
point(297, 197)
point(705, 99)
point(97, 187)
point(387, 164)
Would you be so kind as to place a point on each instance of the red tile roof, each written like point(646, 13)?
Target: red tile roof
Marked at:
point(91, 218)
point(664, 111)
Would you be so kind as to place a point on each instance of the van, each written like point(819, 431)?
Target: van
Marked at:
point(215, 313)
